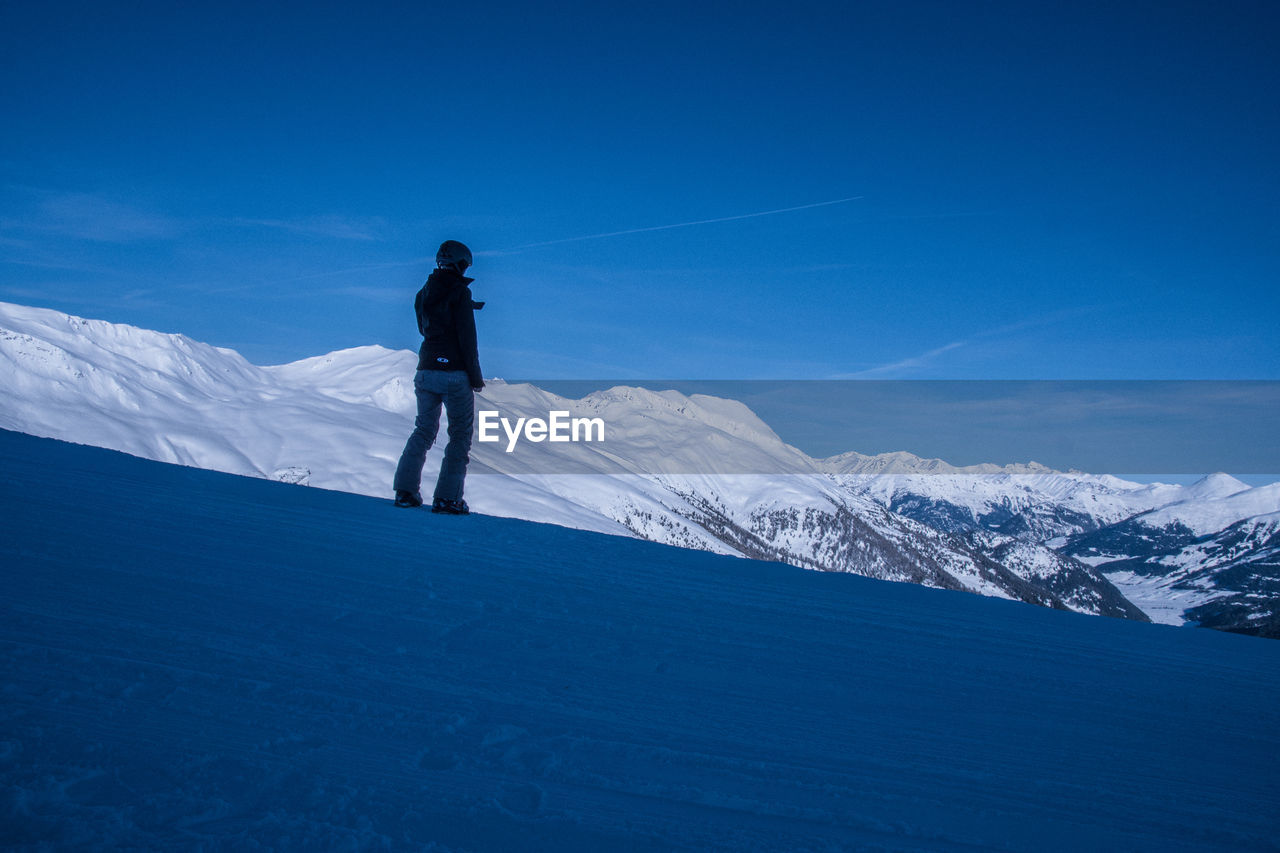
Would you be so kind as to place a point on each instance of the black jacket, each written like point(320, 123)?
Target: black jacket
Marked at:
point(447, 321)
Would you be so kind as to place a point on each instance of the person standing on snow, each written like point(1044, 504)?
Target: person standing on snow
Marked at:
point(448, 373)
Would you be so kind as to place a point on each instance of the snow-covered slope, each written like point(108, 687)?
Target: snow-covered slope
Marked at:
point(169, 398)
point(223, 663)
point(337, 421)
point(696, 471)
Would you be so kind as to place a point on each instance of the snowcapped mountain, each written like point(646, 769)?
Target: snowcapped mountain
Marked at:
point(690, 470)
point(1031, 503)
point(1229, 579)
point(1214, 510)
point(1208, 557)
point(1226, 578)
point(1175, 524)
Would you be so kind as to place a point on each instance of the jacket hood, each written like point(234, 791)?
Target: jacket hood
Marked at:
point(444, 275)
point(444, 283)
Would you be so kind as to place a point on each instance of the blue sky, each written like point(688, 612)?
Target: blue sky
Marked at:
point(1043, 191)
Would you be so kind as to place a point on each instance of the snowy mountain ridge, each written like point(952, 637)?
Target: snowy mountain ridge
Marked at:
point(1203, 515)
point(691, 470)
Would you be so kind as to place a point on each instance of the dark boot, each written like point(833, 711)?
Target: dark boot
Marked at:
point(458, 507)
point(408, 498)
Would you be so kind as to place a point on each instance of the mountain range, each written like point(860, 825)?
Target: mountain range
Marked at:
point(689, 470)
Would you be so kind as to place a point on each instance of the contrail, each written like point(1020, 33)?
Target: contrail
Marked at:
point(905, 364)
point(493, 252)
point(684, 224)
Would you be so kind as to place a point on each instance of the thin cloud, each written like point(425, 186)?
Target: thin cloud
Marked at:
point(101, 218)
point(92, 217)
point(329, 227)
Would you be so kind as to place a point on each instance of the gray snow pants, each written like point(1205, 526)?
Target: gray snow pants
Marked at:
point(451, 388)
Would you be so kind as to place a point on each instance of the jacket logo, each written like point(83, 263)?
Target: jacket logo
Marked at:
point(442, 360)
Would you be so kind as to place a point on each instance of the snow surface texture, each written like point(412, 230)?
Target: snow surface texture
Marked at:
point(695, 471)
point(200, 661)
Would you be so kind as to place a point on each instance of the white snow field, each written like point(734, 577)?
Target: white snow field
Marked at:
point(195, 660)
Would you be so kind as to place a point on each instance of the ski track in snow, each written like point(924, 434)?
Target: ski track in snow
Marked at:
point(200, 661)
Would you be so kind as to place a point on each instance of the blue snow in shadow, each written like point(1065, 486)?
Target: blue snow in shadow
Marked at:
point(197, 660)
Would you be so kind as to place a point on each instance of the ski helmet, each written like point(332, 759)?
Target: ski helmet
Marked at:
point(453, 254)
